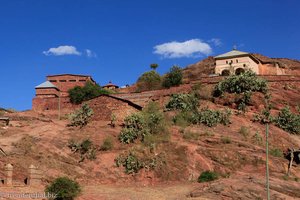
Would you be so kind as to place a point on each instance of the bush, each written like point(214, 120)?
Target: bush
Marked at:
point(211, 117)
point(64, 188)
point(288, 121)
point(184, 102)
point(85, 148)
point(244, 131)
point(130, 162)
point(173, 77)
point(245, 82)
point(207, 176)
point(82, 116)
point(107, 144)
point(149, 81)
point(138, 125)
point(225, 140)
point(79, 94)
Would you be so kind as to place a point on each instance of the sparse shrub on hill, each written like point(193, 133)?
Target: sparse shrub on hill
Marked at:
point(184, 102)
point(288, 121)
point(86, 149)
point(173, 77)
point(210, 117)
point(81, 117)
point(207, 176)
point(107, 144)
point(245, 84)
point(138, 125)
point(150, 80)
point(64, 189)
point(79, 94)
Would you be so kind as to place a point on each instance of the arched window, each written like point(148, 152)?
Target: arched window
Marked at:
point(225, 72)
point(239, 71)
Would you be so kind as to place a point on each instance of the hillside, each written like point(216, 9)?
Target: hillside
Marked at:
point(207, 66)
point(236, 152)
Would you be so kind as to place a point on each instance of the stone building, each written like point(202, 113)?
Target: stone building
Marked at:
point(236, 62)
point(53, 93)
point(110, 86)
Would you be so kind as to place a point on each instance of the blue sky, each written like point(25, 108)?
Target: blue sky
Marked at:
point(117, 40)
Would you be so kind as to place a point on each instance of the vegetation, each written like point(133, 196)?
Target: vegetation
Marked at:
point(184, 102)
point(86, 149)
point(225, 140)
point(173, 77)
point(211, 117)
point(288, 121)
point(88, 91)
point(244, 131)
point(64, 188)
point(244, 83)
point(207, 176)
point(107, 144)
point(81, 117)
point(150, 80)
point(138, 125)
point(153, 66)
point(276, 152)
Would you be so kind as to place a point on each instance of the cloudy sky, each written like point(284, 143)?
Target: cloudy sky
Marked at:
point(115, 40)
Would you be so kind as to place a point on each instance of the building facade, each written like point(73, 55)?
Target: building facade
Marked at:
point(236, 62)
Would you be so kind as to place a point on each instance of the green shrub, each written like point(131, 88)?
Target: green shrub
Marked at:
point(190, 135)
point(211, 117)
point(182, 119)
point(288, 121)
point(149, 81)
point(130, 162)
point(107, 144)
point(276, 152)
point(184, 102)
point(245, 82)
point(173, 77)
point(88, 91)
point(86, 149)
point(244, 131)
point(81, 117)
point(149, 121)
point(207, 176)
point(64, 188)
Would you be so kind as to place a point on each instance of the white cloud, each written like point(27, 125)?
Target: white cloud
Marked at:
point(216, 41)
point(90, 53)
point(62, 50)
point(189, 48)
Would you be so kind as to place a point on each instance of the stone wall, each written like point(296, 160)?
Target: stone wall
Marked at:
point(104, 106)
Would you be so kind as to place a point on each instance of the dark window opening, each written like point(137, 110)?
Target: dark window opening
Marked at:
point(239, 71)
point(62, 81)
point(225, 72)
point(237, 60)
point(53, 81)
point(226, 62)
point(72, 80)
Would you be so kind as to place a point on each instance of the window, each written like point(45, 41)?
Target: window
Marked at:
point(52, 81)
point(72, 80)
point(226, 61)
point(62, 81)
point(237, 60)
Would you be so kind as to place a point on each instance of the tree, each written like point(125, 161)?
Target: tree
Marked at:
point(173, 77)
point(149, 81)
point(64, 188)
point(153, 66)
point(88, 91)
point(82, 116)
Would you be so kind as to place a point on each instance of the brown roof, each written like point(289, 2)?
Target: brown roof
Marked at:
point(80, 75)
point(110, 84)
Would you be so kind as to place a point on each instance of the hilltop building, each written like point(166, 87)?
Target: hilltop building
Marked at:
point(110, 86)
point(55, 89)
point(236, 62)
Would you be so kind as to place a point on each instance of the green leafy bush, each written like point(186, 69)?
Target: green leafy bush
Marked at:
point(149, 81)
point(130, 162)
point(245, 82)
point(86, 149)
point(173, 77)
point(64, 188)
point(138, 125)
point(207, 176)
point(276, 152)
point(107, 144)
point(288, 121)
point(211, 117)
point(185, 102)
point(81, 117)
point(88, 91)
